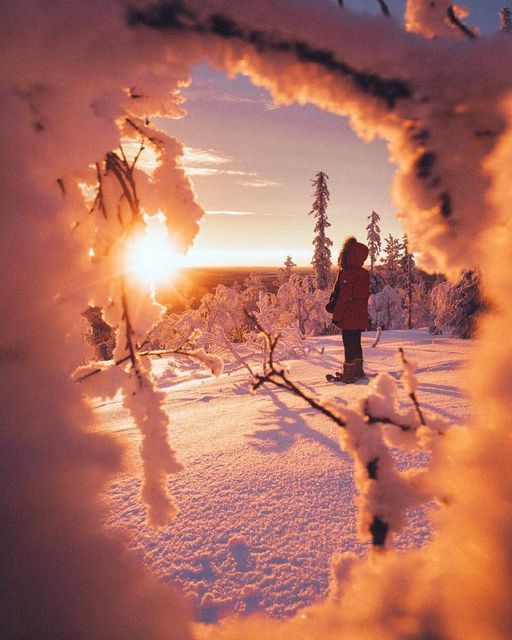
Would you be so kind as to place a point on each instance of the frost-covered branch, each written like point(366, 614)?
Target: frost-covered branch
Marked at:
point(384, 8)
point(411, 385)
point(381, 513)
point(452, 17)
point(176, 16)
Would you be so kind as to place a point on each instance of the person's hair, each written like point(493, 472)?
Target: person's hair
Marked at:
point(342, 258)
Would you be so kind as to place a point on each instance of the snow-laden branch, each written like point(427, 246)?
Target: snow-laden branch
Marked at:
point(385, 493)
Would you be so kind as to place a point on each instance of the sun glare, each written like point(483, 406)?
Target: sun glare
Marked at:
point(150, 257)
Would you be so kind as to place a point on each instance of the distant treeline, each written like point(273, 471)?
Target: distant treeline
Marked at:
point(195, 282)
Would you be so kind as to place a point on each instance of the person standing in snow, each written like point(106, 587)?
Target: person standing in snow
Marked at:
point(349, 305)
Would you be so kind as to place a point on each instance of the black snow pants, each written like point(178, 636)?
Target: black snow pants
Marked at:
point(352, 344)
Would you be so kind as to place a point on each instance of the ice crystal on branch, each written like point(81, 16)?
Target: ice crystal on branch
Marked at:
point(321, 261)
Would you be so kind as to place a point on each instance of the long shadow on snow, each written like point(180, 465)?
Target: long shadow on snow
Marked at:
point(291, 427)
point(444, 366)
point(441, 389)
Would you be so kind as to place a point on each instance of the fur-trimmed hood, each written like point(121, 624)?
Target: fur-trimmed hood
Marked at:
point(353, 254)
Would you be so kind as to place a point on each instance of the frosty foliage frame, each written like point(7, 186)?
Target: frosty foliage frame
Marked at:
point(456, 210)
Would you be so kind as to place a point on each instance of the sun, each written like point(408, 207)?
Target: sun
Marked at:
point(150, 257)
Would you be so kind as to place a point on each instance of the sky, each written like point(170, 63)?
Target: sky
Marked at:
point(252, 163)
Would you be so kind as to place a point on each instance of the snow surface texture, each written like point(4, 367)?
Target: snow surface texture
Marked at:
point(267, 494)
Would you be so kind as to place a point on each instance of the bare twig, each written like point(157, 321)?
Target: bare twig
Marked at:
point(99, 202)
point(137, 156)
point(278, 377)
point(384, 7)
point(378, 336)
point(124, 176)
point(144, 134)
point(240, 360)
point(452, 17)
point(130, 345)
point(143, 354)
point(371, 419)
point(412, 395)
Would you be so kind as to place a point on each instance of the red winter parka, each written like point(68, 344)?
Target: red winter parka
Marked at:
point(351, 290)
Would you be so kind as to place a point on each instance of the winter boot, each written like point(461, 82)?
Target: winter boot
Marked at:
point(359, 371)
point(348, 374)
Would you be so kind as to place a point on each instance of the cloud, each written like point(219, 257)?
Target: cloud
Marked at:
point(212, 171)
point(231, 98)
point(268, 105)
point(208, 162)
point(230, 213)
point(195, 157)
point(260, 183)
point(208, 91)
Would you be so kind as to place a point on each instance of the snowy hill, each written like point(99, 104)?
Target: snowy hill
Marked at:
point(267, 495)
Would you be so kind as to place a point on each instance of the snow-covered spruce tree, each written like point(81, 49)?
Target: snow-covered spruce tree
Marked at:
point(283, 275)
point(420, 305)
point(407, 279)
point(439, 306)
point(289, 264)
point(467, 305)
point(373, 238)
point(321, 261)
point(392, 254)
point(455, 307)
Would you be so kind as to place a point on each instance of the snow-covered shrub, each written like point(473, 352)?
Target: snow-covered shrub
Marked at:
point(455, 307)
point(226, 308)
point(100, 335)
point(252, 286)
point(301, 303)
point(176, 330)
point(385, 308)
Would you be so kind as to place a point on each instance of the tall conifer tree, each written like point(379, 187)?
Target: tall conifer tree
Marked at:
point(408, 278)
point(373, 238)
point(321, 261)
point(392, 254)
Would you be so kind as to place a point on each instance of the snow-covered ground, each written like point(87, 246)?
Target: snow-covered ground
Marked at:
point(267, 495)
